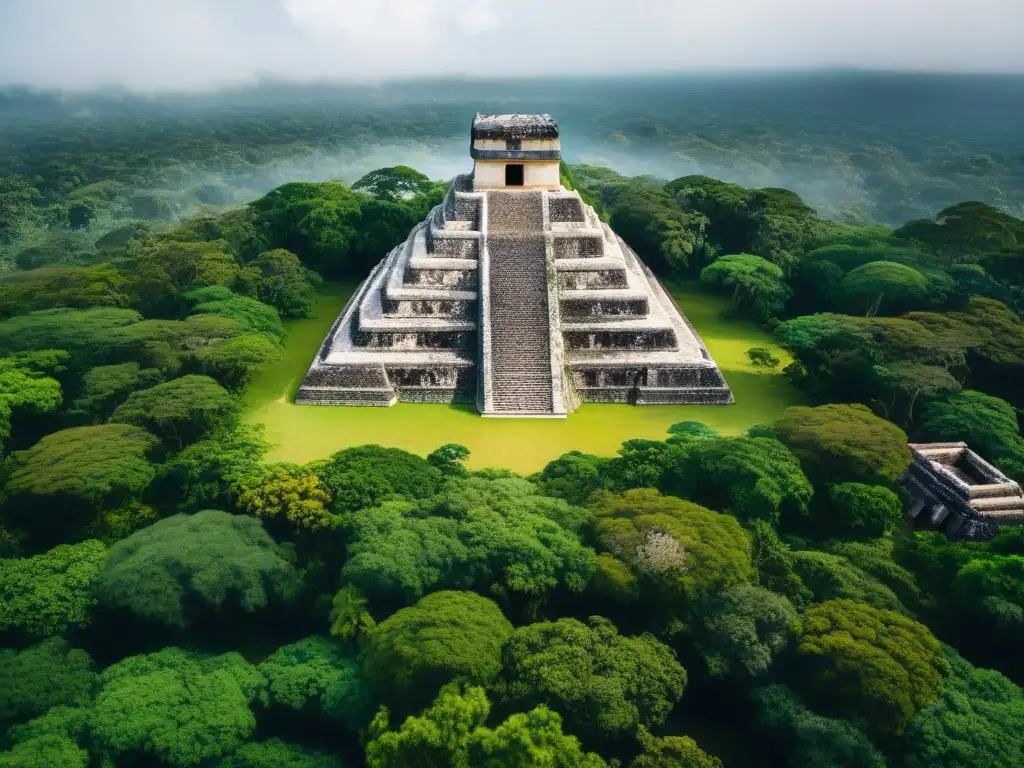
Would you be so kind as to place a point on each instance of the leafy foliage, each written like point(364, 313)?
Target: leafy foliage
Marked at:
point(604, 684)
point(677, 549)
point(757, 286)
point(362, 477)
point(179, 706)
point(49, 593)
point(497, 535)
point(861, 511)
point(313, 675)
point(186, 565)
point(291, 493)
point(43, 676)
point(741, 630)
point(844, 443)
point(751, 477)
point(451, 732)
point(978, 719)
point(810, 738)
point(446, 636)
point(875, 666)
point(181, 411)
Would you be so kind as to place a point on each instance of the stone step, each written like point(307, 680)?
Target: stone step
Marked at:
point(520, 347)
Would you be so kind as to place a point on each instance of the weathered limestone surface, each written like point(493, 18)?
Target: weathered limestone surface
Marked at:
point(523, 302)
point(956, 491)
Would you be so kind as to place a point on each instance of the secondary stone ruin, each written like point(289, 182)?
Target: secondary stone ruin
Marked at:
point(956, 491)
point(515, 296)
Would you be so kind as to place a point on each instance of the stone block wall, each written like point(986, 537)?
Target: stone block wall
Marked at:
point(458, 340)
point(592, 280)
point(628, 340)
point(566, 208)
point(579, 247)
point(602, 309)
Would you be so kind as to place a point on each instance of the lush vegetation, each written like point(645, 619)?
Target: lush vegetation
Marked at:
point(707, 593)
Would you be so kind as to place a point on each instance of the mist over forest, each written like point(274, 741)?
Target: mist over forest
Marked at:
point(860, 147)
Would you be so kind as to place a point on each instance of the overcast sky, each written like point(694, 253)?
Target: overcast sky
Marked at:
point(189, 44)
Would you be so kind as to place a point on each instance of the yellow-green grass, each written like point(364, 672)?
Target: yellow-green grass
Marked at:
point(301, 433)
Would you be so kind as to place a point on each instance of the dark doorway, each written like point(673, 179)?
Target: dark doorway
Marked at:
point(514, 175)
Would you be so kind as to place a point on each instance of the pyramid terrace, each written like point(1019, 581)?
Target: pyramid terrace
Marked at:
point(512, 295)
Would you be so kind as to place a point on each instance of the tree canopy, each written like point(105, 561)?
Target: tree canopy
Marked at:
point(837, 443)
point(446, 636)
point(185, 565)
point(604, 684)
point(874, 666)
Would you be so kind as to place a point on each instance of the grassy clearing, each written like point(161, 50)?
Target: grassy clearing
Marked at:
point(304, 433)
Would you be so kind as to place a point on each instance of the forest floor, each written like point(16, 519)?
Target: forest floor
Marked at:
point(302, 433)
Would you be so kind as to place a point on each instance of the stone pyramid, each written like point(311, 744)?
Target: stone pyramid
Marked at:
point(512, 295)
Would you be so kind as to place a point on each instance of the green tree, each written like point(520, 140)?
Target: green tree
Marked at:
point(810, 738)
point(451, 732)
point(742, 629)
point(775, 565)
point(163, 270)
point(106, 386)
point(284, 283)
point(883, 286)
point(666, 237)
point(350, 614)
point(250, 314)
point(393, 183)
point(860, 511)
point(181, 411)
point(52, 592)
point(80, 332)
point(319, 221)
point(497, 535)
point(26, 390)
point(45, 752)
point(233, 361)
point(844, 443)
point(447, 458)
point(604, 684)
point(758, 288)
point(186, 565)
point(364, 476)
point(751, 477)
point(987, 424)
point(978, 719)
point(829, 576)
point(446, 636)
point(573, 476)
point(74, 476)
point(316, 676)
point(672, 752)
point(213, 472)
point(762, 357)
point(847, 359)
point(46, 675)
point(181, 707)
point(49, 287)
point(906, 382)
point(290, 493)
point(679, 550)
point(875, 666)
point(684, 431)
point(275, 753)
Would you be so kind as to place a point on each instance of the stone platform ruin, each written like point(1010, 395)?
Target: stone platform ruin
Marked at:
point(956, 491)
point(515, 296)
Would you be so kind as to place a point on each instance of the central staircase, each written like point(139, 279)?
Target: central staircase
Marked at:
point(519, 319)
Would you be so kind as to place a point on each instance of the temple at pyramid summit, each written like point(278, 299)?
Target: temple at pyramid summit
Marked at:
point(514, 296)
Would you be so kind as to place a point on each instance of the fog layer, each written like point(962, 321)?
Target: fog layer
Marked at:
point(197, 44)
